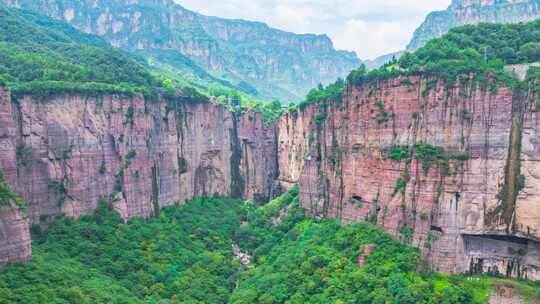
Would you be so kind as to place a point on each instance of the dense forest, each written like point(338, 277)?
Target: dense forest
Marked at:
point(41, 56)
point(185, 255)
point(482, 49)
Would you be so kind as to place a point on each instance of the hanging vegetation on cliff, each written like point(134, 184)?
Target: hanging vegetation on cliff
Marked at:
point(8, 197)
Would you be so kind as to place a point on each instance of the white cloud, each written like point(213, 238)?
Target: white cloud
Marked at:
point(369, 27)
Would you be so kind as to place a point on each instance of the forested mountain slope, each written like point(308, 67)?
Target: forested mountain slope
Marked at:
point(39, 55)
point(461, 12)
point(248, 56)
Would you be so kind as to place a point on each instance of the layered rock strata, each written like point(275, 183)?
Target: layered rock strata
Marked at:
point(450, 168)
point(453, 171)
point(65, 154)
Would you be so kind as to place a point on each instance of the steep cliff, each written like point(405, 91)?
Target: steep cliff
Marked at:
point(14, 236)
point(139, 154)
point(14, 228)
point(65, 153)
point(452, 171)
point(462, 12)
point(249, 56)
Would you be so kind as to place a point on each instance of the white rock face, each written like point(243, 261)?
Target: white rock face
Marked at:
point(244, 257)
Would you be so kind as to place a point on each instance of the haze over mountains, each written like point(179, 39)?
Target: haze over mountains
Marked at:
point(248, 56)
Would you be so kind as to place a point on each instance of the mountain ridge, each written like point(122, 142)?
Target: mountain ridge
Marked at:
point(267, 62)
point(462, 12)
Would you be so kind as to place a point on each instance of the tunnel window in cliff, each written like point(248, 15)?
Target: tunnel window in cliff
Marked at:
point(356, 200)
point(182, 165)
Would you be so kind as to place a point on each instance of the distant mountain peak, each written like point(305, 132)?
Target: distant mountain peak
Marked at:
point(272, 62)
point(461, 12)
point(483, 3)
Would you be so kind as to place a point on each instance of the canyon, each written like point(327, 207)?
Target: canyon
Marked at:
point(66, 153)
point(470, 205)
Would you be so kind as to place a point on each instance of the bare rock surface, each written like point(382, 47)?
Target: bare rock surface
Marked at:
point(475, 210)
point(505, 294)
point(66, 153)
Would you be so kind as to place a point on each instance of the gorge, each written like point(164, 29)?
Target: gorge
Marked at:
point(464, 209)
point(417, 182)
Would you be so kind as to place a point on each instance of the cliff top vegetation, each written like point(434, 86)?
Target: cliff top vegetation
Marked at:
point(482, 50)
point(41, 57)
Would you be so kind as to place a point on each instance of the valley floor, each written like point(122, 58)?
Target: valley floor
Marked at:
point(185, 255)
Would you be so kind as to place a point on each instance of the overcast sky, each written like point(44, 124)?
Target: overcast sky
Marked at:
point(369, 27)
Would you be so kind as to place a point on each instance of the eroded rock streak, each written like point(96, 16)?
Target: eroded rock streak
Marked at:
point(474, 207)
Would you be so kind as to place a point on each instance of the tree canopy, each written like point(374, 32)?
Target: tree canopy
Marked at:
point(185, 255)
point(40, 56)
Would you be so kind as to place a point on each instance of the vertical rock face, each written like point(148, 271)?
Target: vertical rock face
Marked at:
point(65, 154)
point(453, 170)
point(140, 155)
point(14, 236)
point(463, 12)
point(14, 226)
point(471, 206)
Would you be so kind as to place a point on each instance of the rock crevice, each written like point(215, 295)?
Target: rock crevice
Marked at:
point(66, 153)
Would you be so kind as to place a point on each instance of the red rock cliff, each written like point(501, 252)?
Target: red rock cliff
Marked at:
point(473, 208)
point(14, 227)
point(64, 154)
point(454, 171)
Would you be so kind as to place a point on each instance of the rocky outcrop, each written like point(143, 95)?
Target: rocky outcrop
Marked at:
point(249, 56)
point(463, 12)
point(452, 171)
point(64, 154)
point(505, 294)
